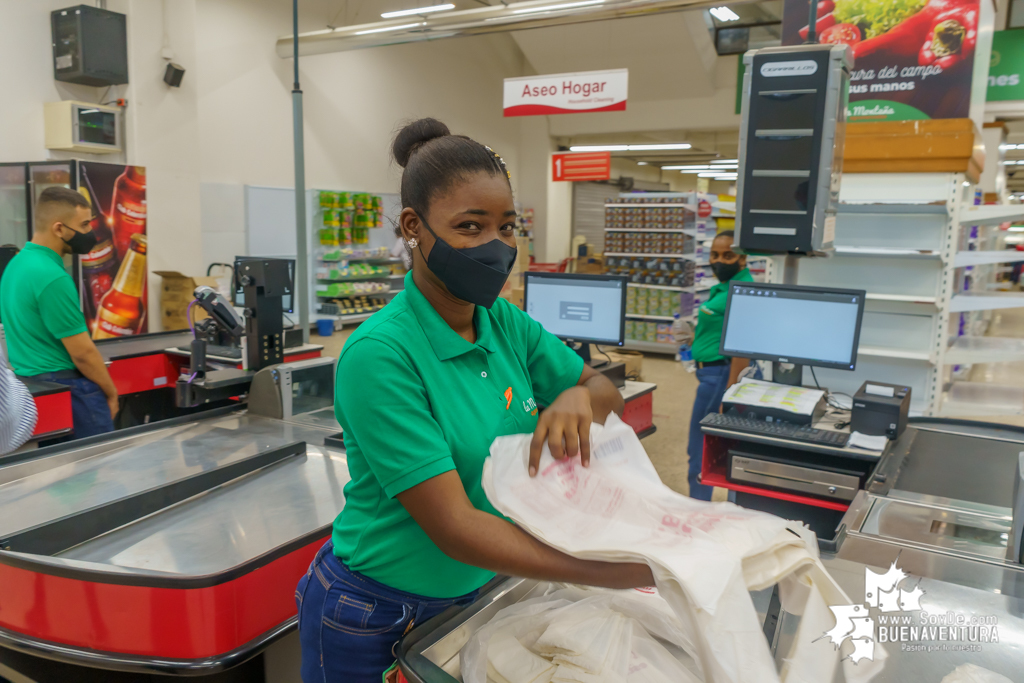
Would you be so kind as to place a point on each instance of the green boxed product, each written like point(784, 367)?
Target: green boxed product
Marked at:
point(344, 201)
point(630, 329)
point(327, 199)
point(377, 203)
point(328, 237)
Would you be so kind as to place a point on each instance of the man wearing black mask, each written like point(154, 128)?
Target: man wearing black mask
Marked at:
point(47, 337)
point(715, 372)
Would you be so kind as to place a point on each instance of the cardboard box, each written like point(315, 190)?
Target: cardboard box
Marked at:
point(517, 296)
point(590, 265)
point(176, 293)
point(522, 263)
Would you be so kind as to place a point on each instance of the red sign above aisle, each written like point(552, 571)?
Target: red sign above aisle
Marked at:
point(575, 93)
point(581, 166)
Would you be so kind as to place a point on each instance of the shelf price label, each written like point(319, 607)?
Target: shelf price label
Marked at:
point(581, 166)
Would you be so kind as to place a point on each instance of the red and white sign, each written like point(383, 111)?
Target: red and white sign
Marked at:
point(575, 93)
point(703, 208)
point(581, 166)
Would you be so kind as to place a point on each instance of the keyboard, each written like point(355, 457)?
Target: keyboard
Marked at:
point(218, 350)
point(778, 430)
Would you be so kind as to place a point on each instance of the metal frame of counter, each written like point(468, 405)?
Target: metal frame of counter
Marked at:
point(135, 558)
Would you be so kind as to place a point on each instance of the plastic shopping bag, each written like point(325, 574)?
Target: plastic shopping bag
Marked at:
point(705, 557)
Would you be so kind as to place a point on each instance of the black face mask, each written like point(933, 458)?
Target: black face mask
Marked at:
point(473, 274)
point(725, 271)
point(81, 242)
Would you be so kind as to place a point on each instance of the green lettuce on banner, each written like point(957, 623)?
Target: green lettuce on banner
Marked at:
point(913, 58)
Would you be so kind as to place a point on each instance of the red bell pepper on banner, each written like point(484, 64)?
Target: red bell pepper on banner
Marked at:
point(952, 37)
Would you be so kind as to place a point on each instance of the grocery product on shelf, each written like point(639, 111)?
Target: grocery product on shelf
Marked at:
point(340, 289)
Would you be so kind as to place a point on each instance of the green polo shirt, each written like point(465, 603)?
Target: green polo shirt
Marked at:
point(417, 400)
point(707, 336)
point(39, 307)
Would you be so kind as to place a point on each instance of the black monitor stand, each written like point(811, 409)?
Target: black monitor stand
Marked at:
point(793, 377)
point(582, 349)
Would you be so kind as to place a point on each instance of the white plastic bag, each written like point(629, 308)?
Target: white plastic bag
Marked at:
point(971, 673)
point(578, 635)
point(705, 557)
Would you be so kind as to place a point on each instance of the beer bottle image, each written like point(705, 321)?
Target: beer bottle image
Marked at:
point(98, 266)
point(122, 310)
point(128, 208)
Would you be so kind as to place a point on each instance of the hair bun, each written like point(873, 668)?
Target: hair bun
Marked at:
point(413, 136)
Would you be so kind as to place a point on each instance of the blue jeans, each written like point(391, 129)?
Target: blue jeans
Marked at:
point(349, 624)
point(90, 412)
point(712, 386)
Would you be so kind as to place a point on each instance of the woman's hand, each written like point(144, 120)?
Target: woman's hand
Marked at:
point(567, 419)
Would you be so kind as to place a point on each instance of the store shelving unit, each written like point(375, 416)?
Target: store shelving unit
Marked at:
point(926, 256)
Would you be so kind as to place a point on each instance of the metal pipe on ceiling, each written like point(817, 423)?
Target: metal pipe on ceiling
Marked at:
point(478, 21)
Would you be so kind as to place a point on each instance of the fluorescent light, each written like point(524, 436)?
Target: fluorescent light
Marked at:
point(552, 8)
point(725, 161)
point(702, 167)
point(648, 148)
point(714, 174)
point(1016, 228)
point(418, 10)
point(389, 28)
point(724, 14)
point(628, 148)
point(966, 184)
point(641, 163)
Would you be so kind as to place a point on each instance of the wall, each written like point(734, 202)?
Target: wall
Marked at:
point(161, 124)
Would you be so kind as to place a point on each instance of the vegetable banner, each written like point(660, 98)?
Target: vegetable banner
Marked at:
point(913, 59)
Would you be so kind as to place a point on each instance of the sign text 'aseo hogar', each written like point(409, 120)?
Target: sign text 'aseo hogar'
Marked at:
point(575, 93)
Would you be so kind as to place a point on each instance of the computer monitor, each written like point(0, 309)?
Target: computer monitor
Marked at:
point(286, 300)
point(815, 326)
point(578, 308)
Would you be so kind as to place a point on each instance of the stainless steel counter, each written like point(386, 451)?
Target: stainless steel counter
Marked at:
point(207, 533)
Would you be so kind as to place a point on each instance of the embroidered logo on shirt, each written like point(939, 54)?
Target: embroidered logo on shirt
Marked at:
point(508, 397)
point(530, 406)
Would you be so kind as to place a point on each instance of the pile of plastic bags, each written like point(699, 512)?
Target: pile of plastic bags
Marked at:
point(705, 558)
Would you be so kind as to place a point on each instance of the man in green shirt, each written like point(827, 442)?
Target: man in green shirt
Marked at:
point(47, 337)
point(715, 372)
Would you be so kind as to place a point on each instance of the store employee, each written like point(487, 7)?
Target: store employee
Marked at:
point(47, 338)
point(715, 372)
point(423, 389)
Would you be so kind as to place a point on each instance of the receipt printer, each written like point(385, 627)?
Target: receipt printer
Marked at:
point(880, 409)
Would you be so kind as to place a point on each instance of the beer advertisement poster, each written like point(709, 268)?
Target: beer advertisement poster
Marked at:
point(913, 59)
point(113, 287)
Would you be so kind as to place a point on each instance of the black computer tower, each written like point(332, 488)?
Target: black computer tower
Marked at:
point(90, 46)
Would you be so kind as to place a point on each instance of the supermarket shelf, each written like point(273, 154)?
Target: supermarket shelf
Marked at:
point(349, 296)
point(355, 278)
point(619, 253)
point(904, 298)
point(992, 214)
point(904, 354)
point(980, 258)
point(666, 287)
point(969, 350)
point(345, 319)
point(893, 207)
point(885, 252)
point(667, 318)
point(365, 259)
point(631, 205)
point(981, 398)
point(984, 301)
point(650, 347)
point(686, 231)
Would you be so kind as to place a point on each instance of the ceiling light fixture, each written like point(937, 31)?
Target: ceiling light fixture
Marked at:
point(702, 167)
point(714, 174)
point(724, 14)
point(390, 28)
point(725, 161)
point(1015, 229)
point(641, 163)
point(629, 148)
point(553, 8)
point(418, 10)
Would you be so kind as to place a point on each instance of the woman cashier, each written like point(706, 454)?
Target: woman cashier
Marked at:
point(423, 389)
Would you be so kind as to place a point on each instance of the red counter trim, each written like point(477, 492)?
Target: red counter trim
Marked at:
point(148, 621)
point(144, 373)
point(54, 412)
